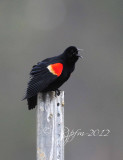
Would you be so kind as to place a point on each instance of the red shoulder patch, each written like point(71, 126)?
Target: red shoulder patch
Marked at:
point(56, 68)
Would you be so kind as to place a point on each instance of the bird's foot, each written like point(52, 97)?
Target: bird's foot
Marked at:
point(57, 92)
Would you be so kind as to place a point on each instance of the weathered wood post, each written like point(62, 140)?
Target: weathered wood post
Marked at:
point(50, 126)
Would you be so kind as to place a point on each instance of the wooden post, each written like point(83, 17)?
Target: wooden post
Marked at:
point(50, 126)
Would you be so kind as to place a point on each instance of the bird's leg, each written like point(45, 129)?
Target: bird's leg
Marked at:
point(57, 92)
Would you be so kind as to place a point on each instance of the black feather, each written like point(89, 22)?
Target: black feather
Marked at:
point(42, 80)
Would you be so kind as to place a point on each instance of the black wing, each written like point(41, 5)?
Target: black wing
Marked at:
point(40, 78)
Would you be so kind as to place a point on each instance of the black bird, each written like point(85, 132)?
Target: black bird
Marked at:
point(50, 74)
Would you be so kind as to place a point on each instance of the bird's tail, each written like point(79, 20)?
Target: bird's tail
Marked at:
point(32, 102)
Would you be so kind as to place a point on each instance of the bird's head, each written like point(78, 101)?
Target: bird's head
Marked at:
point(72, 54)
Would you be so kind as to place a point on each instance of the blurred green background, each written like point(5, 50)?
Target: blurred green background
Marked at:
point(31, 31)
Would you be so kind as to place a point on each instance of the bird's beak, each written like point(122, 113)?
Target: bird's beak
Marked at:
point(79, 55)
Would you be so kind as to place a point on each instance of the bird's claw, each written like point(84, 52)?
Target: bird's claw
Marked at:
point(57, 92)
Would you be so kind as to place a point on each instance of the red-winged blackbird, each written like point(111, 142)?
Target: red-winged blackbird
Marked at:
point(50, 74)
